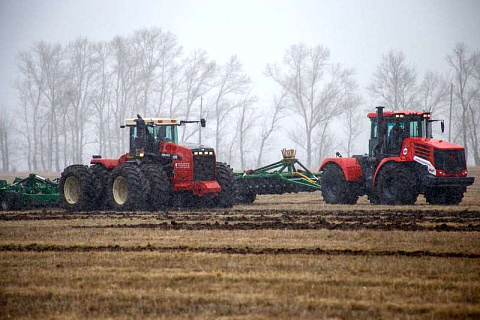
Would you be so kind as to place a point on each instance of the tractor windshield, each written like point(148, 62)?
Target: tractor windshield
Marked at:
point(151, 137)
point(163, 133)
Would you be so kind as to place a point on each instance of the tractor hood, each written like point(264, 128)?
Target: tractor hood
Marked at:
point(440, 144)
point(194, 146)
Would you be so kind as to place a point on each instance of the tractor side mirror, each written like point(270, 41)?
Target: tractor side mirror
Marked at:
point(203, 123)
point(442, 126)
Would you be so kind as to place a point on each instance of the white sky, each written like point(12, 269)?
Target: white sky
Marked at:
point(258, 32)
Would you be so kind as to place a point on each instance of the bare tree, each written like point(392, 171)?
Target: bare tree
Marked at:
point(81, 68)
point(231, 81)
point(30, 87)
point(122, 87)
point(271, 123)
point(199, 73)
point(434, 92)
point(353, 121)
point(100, 97)
point(169, 51)
point(51, 61)
point(6, 127)
point(394, 82)
point(315, 87)
point(245, 123)
point(464, 63)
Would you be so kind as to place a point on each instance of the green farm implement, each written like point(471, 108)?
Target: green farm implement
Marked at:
point(277, 178)
point(34, 191)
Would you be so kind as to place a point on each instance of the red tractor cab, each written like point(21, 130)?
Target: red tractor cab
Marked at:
point(404, 160)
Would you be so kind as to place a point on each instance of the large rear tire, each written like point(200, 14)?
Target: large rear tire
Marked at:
point(335, 188)
point(226, 180)
point(101, 176)
point(158, 186)
point(77, 190)
point(396, 185)
point(445, 195)
point(127, 188)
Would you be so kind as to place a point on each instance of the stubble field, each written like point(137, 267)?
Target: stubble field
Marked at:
point(284, 257)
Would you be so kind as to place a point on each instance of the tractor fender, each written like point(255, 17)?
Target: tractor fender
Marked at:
point(383, 163)
point(109, 163)
point(350, 167)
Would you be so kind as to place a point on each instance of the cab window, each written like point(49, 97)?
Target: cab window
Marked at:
point(165, 133)
point(417, 128)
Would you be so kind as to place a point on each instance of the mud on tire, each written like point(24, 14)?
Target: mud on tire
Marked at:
point(396, 185)
point(444, 195)
point(77, 190)
point(226, 180)
point(127, 188)
point(100, 176)
point(158, 186)
point(335, 189)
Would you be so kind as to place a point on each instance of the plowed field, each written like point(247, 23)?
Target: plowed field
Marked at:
point(288, 256)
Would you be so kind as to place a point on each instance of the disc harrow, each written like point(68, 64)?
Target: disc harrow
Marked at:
point(285, 176)
point(33, 191)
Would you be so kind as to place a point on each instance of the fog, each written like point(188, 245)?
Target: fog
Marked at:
point(357, 33)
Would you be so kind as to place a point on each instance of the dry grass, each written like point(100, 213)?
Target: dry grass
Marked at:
point(185, 285)
point(122, 266)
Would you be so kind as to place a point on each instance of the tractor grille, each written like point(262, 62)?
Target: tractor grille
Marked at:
point(450, 161)
point(422, 151)
point(203, 165)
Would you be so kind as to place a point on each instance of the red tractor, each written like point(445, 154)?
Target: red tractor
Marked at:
point(156, 172)
point(403, 161)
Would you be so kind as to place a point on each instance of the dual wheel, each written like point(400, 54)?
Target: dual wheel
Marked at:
point(131, 187)
point(127, 187)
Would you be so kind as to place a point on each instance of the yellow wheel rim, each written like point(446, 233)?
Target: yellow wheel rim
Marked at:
point(120, 190)
point(72, 190)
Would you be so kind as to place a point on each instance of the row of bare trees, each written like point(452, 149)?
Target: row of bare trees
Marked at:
point(73, 99)
point(76, 96)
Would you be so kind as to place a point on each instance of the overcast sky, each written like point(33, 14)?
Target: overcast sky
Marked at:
point(258, 32)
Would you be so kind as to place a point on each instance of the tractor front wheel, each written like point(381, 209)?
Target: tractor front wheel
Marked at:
point(444, 195)
point(335, 188)
point(77, 190)
point(127, 188)
point(396, 185)
point(226, 180)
